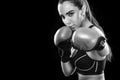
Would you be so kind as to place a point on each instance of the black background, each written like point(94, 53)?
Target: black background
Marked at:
point(30, 31)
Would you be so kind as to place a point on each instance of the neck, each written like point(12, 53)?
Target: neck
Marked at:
point(86, 23)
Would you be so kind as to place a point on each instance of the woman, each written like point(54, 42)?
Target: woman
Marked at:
point(75, 14)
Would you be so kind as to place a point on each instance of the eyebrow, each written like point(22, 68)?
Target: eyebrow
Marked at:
point(69, 12)
point(66, 13)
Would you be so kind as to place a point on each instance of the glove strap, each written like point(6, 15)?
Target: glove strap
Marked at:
point(99, 45)
point(65, 56)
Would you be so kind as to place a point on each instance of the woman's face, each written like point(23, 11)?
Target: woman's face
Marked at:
point(70, 14)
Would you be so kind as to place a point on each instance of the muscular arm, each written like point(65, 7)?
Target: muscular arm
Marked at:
point(106, 50)
point(67, 68)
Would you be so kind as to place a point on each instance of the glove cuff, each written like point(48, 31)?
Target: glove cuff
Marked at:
point(66, 56)
point(100, 44)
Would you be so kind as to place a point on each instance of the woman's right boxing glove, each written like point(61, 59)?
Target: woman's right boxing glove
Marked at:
point(62, 41)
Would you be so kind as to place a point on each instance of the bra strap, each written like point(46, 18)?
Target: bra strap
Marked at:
point(91, 26)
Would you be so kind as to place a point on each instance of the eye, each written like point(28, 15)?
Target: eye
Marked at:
point(70, 14)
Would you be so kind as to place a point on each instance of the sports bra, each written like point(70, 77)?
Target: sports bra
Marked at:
point(86, 65)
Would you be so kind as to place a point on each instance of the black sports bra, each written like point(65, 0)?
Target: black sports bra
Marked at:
point(87, 66)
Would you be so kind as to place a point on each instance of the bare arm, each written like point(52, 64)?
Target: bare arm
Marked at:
point(106, 50)
point(67, 68)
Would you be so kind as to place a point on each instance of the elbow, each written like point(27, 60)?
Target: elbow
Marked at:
point(66, 74)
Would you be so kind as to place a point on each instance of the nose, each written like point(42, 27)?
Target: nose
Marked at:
point(67, 21)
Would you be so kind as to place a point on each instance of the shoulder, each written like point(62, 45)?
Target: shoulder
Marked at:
point(98, 30)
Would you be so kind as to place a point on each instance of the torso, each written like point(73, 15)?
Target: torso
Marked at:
point(86, 65)
point(91, 77)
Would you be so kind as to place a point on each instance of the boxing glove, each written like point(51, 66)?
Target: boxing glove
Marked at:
point(62, 41)
point(87, 39)
point(100, 44)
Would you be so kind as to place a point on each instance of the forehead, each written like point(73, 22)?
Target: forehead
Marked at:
point(66, 7)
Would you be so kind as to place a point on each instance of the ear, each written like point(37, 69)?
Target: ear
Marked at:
point(80, 13)
point(83, 10)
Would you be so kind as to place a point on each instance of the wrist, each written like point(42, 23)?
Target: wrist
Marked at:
point(66, 56)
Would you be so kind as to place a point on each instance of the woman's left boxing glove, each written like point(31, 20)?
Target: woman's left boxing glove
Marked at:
point(86, 39)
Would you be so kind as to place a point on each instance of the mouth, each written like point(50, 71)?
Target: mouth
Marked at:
point(73, 26)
